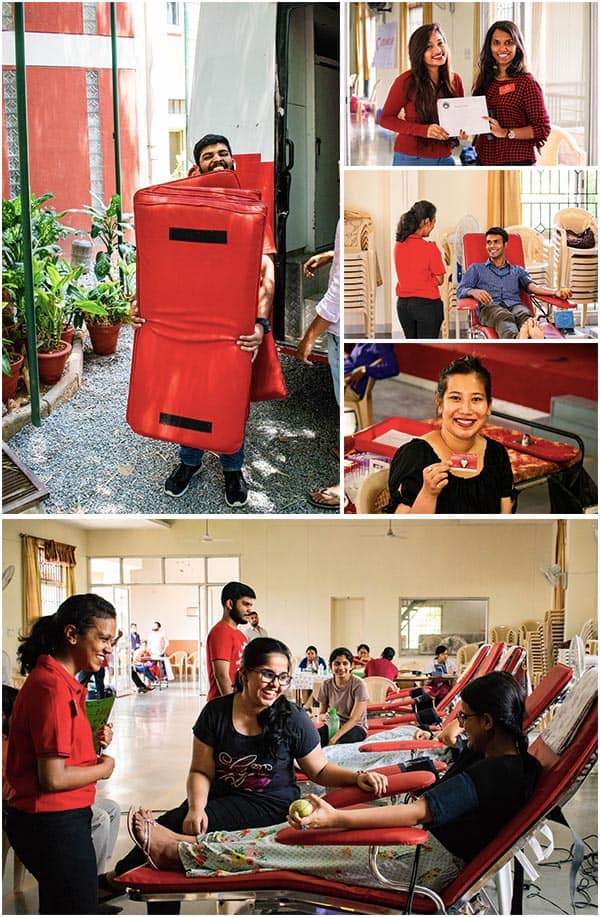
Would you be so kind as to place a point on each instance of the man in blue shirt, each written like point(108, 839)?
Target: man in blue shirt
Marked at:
point(496, 285)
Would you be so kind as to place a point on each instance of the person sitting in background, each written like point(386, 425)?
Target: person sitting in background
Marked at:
point(363, 654)
point(142, 663)
point(253, 628)
point(440, 669)
point(312, 662)
point(364, 362)
point(382, 667)
point(348, 694)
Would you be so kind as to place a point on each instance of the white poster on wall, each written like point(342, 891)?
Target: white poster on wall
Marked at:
point(386, 45)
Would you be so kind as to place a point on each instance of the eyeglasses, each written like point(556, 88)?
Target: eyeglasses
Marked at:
point(267, 676)
point(462, 717)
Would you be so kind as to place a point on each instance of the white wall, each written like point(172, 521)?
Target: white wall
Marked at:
point(296, 566)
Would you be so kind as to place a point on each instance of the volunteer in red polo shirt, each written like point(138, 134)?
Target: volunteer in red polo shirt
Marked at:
point(420, 270)
point(225, 643)
point(52, 761)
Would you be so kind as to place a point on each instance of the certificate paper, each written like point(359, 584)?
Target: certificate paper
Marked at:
point(464, 114)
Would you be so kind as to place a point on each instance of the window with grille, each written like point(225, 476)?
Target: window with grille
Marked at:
point(53, 583)
point(546, 191)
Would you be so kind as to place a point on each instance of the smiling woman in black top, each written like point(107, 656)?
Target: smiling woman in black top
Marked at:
point(454, 469)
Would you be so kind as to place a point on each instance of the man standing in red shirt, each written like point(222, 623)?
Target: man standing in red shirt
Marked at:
point(225, 642)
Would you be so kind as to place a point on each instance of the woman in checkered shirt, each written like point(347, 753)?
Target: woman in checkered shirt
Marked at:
point(519, 122)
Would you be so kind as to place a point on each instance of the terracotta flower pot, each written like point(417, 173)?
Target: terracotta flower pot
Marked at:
point(67, 334)
point(10, 383)
point(51, 365)
point(104, 338)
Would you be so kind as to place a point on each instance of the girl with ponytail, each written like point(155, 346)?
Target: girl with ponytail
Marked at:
point(52, 761)
point(420, 270)
point(242, 770)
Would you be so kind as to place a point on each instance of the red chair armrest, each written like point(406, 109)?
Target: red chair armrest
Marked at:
point(467, 303)
point(353, 838)
point(401, 745)
point(397, 783)
point(555, 301)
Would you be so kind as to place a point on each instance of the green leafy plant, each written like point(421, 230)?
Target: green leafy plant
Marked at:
point(105, 304)
point(7, 355)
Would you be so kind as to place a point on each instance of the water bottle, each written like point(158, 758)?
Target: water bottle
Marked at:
point(333, 722)
point(320, 670)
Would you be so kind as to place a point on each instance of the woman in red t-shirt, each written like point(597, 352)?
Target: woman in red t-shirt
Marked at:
point(519, 121)
point(52, 762)
point(420, 270)
point(410, 109)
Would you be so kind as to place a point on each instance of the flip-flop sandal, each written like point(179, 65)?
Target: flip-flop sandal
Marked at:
point(324, 499)
point(144, 844)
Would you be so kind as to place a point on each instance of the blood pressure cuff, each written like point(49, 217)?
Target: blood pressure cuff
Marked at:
point(451, 799)
point(199, 250)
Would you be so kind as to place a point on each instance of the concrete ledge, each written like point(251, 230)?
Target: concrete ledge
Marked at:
point(67, 386)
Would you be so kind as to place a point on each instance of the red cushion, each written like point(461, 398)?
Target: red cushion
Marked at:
point(401, 745)
point(407, 837)
point(198, 263)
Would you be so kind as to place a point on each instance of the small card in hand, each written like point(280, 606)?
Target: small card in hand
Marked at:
point(464, 461)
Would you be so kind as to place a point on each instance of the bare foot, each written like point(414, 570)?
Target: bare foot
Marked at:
point(536, 332)
point(162, 844)
point(524, 330)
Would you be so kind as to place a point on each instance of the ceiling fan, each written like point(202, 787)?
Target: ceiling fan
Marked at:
point(207, 538)
point(389, 533)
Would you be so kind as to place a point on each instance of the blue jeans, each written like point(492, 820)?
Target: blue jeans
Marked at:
point(193, 457)
point(333, 355)
point(403, 159)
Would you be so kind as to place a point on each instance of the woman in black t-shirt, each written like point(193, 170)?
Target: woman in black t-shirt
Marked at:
point(245, 745)
point(454, 469)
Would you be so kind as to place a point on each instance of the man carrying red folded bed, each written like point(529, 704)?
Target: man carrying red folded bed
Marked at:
point(212, 153)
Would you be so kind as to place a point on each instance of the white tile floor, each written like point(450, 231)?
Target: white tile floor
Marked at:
point(152, 747)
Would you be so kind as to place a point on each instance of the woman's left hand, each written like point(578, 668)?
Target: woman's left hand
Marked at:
point(372, 782)
point(495, 128)
point(322, 816)
point(104, 736)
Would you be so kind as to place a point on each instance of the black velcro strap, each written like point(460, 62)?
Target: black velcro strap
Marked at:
point(210, 236)
point(186, 423)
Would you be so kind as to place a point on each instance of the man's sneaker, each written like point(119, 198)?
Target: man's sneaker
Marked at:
point(236, 489)
point(179, 480)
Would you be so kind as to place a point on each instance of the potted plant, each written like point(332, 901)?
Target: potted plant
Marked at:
point(114, 268)
point(105, 310)
point(11, 369)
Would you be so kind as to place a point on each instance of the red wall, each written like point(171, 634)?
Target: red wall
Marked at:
point(67, 18)
point(527, 374)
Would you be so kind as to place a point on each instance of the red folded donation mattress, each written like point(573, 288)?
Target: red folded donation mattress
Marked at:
point(199, 250)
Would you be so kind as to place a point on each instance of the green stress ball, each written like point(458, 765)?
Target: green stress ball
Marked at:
point(302, 806)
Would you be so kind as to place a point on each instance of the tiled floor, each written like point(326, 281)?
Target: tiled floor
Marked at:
point(152, 747)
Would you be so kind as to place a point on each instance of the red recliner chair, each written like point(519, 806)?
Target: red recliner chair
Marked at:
point(475, 252)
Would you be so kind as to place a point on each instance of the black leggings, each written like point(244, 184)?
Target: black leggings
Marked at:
point(227, 813)
point(420, 317)
point(356, 734)
point(56, 848)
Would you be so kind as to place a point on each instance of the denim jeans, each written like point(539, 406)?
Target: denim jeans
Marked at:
point(403, 159)
point(193, 457)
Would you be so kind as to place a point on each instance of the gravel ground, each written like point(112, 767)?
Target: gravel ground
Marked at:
point(92, 462)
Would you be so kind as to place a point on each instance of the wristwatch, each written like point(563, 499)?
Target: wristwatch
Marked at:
point(510, 135)
point(265, 323)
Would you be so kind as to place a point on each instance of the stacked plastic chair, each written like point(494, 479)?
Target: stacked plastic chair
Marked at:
point(576, 268)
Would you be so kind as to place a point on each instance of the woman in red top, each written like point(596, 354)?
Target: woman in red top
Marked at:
point(52, 763)
point(410, 109)
point(519, 121)
point(420, 270)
